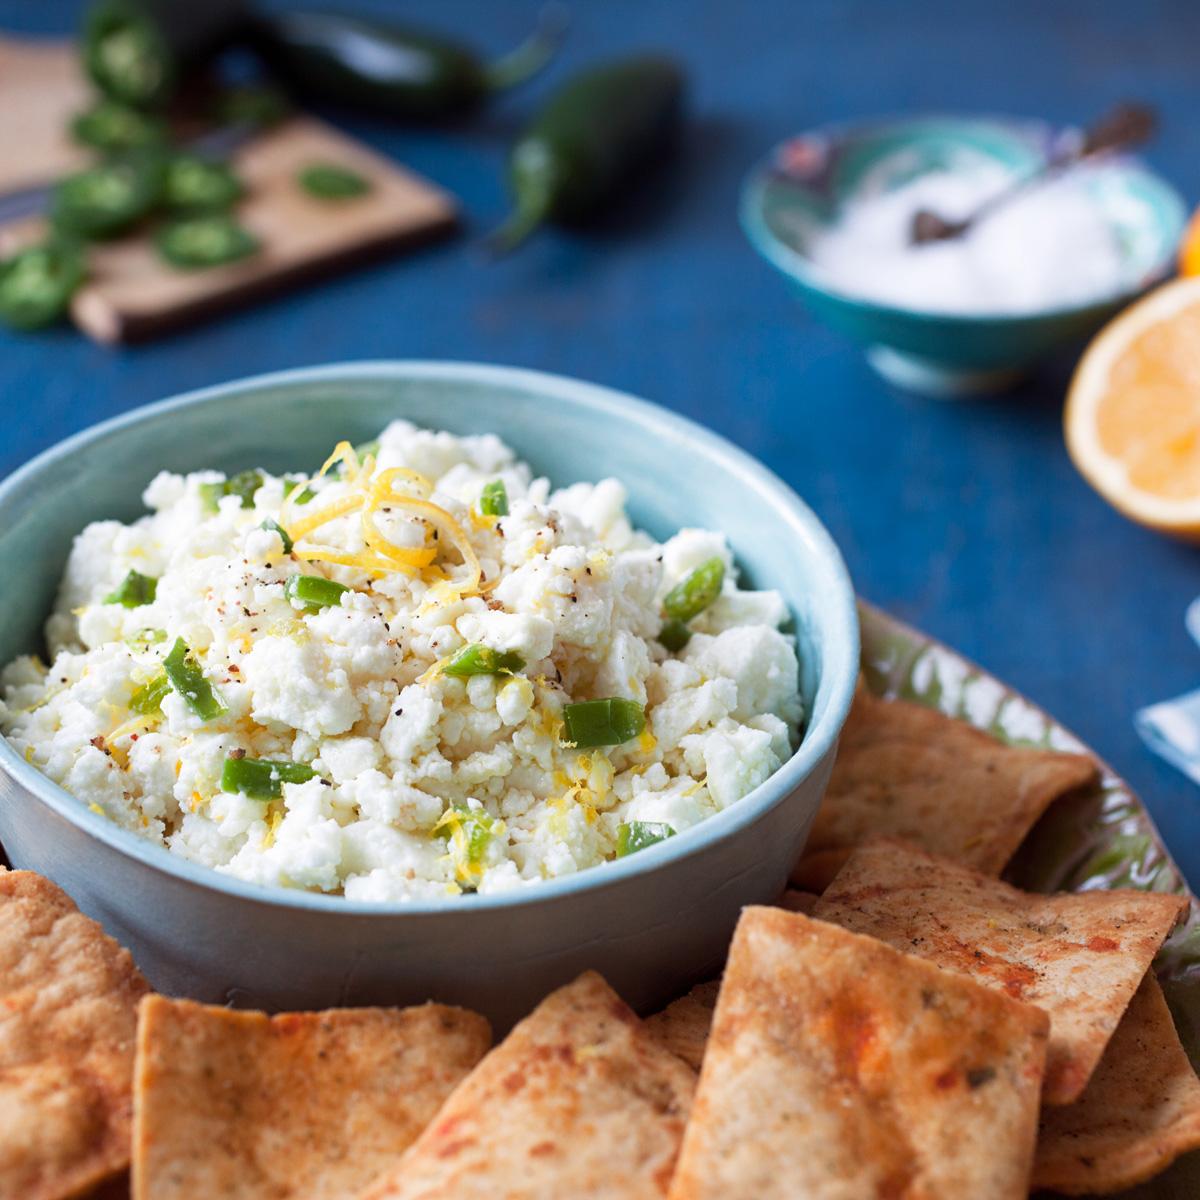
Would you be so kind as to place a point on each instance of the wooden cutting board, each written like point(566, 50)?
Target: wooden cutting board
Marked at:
point(131, 294)
point(41, 88)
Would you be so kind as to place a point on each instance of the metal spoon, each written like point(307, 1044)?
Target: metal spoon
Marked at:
point(1126, 125)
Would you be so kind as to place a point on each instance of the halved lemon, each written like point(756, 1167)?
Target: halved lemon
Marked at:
point(1133, 410)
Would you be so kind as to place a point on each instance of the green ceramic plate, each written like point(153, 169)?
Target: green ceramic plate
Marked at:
point(1103, 838)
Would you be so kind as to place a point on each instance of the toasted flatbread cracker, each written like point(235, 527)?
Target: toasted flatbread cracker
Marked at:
point(579, 1100)
point(683, 1025)
point(1080, 956)
point(310, 1106)
point(841, 1069)
point(68, 1015)
point(911, 772)
point(1140, 1111)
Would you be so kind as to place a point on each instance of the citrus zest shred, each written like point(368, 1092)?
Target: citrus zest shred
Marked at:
point(371, 491)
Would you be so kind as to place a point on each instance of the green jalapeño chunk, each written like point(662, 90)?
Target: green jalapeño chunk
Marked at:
point(674, 635)
point(284, 536)
point(195, 184)
point(291, 483)
point(692, 595)
point(314, 593)
point(243, 485)
point(37, 283)
point(148, 699)
point(260, 778)
point(326, 181)
point(606, 722)
point(633, 836)
point(477, 659)
point(188, 680)
point(145, 638)
point(467, 833)
point(493, 500)
point(207, 240)
point(135, 590)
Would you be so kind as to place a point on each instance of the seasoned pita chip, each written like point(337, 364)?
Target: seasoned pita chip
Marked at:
point(579, 1100)
point(68, 1015)
point(907, 771)
point(1140, 1112)
point(841, 1069)
point(306, 1105)
point(1079, 956)
point(683, 1025)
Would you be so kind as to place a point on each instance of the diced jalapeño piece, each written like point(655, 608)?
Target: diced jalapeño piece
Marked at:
point(262, 778)
point(493, 500)
point(693, 594)
point(133, 591)
point(313, 592)
point(284, 536)
point(468, 832)
point(148, 699)
point(243, 485)
point(637, 835)
point(674, 635)
point(607, 722)
point(188, 680)
point(477, 659)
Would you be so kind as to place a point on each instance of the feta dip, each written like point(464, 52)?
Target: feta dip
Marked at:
point(421, 672)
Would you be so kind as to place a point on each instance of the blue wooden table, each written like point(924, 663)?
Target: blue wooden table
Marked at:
point(966, 519)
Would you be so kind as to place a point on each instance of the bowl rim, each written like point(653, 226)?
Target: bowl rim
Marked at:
point(838, 678)
point(800, 268)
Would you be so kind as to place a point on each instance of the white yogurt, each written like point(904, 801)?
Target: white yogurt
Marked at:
point(1050, 247)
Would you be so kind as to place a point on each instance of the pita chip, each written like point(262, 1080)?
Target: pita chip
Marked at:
point(1139, 1113)
point(579, 1100)
point(841, 1069)
point(1080, 956)
point(68, 1015)
point(310, 1106)
point(911, 772)
point(683, 1025)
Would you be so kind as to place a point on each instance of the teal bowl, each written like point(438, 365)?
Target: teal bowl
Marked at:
point(802, 186)
point(652, 923)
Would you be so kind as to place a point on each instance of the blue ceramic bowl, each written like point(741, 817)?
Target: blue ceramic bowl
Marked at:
point(803, 184)
point(651, 923)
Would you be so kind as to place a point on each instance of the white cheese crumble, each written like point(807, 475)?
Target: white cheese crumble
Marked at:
point(423, 784)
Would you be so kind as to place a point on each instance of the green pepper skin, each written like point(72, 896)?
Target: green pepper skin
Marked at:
point(597, 134)
point(384, 68)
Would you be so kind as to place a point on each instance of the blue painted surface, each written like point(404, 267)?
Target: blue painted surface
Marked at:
point(967, 519)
